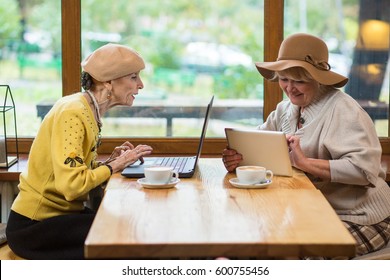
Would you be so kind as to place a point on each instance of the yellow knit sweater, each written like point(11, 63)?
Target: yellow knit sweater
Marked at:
point(62, 165)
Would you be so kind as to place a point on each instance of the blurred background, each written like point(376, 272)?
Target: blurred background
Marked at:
point(193, 50)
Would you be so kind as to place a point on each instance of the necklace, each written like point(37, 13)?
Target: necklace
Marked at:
point(96, 106)
point(99, 121)
point(301, 120)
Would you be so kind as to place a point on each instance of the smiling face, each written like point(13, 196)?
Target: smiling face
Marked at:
point(124, 89)
point(299, 87)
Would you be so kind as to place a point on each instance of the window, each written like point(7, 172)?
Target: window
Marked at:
point(193, 50)
point(274, 19)
point(30, 57)
point(357, 36)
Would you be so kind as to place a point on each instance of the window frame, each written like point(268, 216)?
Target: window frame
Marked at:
point(71, 57)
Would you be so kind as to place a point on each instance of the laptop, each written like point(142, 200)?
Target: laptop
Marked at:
point(185, 166)
point(261, 147)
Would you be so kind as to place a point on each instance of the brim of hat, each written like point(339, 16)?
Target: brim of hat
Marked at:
point(267, 70)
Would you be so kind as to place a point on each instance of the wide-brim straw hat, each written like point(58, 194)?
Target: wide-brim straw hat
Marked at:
point(112, 61)
point(308, 52)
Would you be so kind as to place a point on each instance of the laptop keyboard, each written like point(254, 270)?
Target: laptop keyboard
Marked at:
point(178, 163)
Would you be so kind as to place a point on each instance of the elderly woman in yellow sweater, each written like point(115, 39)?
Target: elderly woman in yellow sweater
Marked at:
point(48, 219)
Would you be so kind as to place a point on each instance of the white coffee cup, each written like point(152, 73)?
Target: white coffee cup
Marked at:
point(160, 174)
point(251, 174)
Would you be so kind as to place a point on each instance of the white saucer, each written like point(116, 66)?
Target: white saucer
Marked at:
point(237, 184)
point(145, 184)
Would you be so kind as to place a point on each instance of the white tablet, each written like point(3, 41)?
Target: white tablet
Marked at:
point(261, 147)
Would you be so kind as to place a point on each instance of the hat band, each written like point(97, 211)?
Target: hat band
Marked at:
point(321, 65)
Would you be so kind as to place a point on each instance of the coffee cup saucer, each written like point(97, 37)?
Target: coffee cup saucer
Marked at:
point(235, 182)
point(148, 185)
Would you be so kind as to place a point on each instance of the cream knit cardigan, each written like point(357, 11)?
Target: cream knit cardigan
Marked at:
point(336, 128)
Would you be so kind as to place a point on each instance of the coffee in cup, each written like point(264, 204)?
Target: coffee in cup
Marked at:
point(253, 174)
point(160, 174)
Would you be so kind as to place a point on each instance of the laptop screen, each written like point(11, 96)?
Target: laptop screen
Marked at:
point(184, 165)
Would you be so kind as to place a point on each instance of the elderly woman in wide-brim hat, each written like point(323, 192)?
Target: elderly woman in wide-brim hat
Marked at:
point(330, 137)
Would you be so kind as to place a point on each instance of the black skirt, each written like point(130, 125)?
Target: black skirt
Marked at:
point(57, 238)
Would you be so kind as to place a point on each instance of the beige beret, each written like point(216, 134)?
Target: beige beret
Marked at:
point(112, 61)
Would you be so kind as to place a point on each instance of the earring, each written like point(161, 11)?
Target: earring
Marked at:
point(109, 95)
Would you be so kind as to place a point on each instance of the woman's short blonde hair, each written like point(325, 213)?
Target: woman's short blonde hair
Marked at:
point(294, 73)
point(300, 74)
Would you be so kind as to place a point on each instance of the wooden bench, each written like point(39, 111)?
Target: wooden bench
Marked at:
point(161, 110)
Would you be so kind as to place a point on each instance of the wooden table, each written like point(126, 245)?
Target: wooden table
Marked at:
point(207, 217)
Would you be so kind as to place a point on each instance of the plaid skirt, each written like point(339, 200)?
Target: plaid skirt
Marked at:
point(369, 238)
